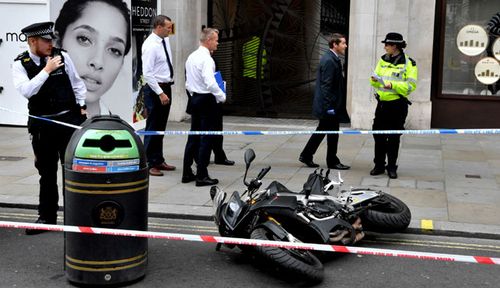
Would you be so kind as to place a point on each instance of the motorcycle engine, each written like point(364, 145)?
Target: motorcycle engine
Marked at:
point(324, 208)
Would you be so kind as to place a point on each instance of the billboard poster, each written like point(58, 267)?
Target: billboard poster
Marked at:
point(143, 12)
point(15, 16)
point(97, 36)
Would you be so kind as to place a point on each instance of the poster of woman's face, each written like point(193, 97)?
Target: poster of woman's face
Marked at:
point(96, 35)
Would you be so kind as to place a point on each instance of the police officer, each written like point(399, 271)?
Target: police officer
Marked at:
point(47, 77)
point(395, 77)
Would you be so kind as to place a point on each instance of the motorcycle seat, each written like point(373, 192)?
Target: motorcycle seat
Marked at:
point(277, 187)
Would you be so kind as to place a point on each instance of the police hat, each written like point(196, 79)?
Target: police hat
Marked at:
point(394, 38)
point(42, 29)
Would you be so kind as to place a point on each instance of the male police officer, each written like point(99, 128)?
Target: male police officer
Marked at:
point(47, 77)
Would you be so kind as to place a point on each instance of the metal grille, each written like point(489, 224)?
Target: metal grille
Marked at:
point(269, 51)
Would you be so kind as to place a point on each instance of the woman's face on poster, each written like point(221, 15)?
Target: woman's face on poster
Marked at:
point(96, 43)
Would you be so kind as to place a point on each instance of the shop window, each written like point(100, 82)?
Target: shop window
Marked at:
point(471, 54)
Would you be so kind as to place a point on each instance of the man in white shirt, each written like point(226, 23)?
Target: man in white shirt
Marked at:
point(158, 73)
point(47, 77)
point(205, 94)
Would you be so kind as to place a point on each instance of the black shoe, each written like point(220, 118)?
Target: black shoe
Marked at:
point(207, 181)
point(226, 162)
point(340, 166)
point(37, 231)
point(392, 173)
point(377, 171)
point(188, 178)
point(308, 162)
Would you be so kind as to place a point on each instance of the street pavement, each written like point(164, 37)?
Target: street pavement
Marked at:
point(450, 182)
point(38, 261)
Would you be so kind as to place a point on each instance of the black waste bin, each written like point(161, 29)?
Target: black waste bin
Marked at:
point(105, 185)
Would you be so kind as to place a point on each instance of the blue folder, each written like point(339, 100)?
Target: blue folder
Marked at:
point(220, 81)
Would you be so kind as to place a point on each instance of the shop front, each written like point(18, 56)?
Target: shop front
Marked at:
point(466, 64)
point(269, 52)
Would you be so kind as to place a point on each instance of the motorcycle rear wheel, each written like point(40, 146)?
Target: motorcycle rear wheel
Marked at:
point(393, 216)
point(300, 264)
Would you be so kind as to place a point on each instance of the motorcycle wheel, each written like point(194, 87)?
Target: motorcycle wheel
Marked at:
point(300, 264)
point(393, 216)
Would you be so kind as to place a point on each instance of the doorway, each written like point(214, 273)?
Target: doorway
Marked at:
point(269, 51)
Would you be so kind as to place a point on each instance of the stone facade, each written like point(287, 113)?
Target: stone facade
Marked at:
point(370, 21)
point(188, 16)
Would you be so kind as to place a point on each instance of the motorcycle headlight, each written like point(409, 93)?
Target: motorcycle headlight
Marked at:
point(232, 210)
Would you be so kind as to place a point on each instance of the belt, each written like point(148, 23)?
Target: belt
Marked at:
point(166, 84)
point(55, 115)
point(202, 94)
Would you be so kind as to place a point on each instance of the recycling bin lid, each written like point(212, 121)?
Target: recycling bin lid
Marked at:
point(105, 145)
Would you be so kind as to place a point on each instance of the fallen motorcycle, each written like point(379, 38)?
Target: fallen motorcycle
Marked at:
point(313, 215)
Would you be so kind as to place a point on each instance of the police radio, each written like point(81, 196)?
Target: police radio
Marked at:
point(57, 52)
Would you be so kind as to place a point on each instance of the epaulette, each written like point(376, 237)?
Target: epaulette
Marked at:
point(413, 62)
point(23, 56)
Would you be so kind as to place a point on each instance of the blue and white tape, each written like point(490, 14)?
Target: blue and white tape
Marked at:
point(341, 132)
point(288, 132)
point(42, 118)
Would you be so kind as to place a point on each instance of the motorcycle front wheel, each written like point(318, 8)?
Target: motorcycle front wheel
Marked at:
point(389, 215)
point(301, 264)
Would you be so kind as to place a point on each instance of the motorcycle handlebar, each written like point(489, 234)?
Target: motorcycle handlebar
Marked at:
point(263, 172)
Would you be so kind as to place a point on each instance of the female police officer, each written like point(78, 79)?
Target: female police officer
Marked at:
point(395, 77)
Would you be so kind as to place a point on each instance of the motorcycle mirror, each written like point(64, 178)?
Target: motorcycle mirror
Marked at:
point(249, 157)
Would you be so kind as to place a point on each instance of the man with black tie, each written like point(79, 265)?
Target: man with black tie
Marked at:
point(204, 93)
point(329, 104)
point(159, 75)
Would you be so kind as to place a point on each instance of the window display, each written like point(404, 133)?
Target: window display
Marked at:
point(471, 60)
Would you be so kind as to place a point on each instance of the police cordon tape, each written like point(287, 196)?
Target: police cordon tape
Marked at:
point(291, 132)
point(41, 118)
point(254, 242)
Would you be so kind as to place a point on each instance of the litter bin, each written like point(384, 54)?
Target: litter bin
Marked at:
point(105, 185)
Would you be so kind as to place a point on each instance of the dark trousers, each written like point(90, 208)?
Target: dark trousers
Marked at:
point(219, 154)
point(199, 147)
point(49, 143)
point(389, 115)
point(328, 124)
point(156, 121)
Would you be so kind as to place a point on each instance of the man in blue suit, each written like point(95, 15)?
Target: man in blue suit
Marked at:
point(329, 104)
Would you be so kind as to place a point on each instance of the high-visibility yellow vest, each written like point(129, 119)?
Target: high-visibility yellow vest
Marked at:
point(403, 78)
point(249, 54)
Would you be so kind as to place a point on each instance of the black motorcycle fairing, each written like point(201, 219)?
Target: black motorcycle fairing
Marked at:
point(275, 229)
point(282, 202)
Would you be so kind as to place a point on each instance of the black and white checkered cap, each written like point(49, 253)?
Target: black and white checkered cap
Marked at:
point(42, 29)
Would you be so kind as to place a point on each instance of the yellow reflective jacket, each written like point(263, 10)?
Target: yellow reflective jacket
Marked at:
point(402, 74)
point(250, 52)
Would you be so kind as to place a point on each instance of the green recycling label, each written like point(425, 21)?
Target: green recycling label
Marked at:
point(107, 144)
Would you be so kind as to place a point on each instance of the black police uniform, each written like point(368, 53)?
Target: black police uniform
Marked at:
point(55, 100)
